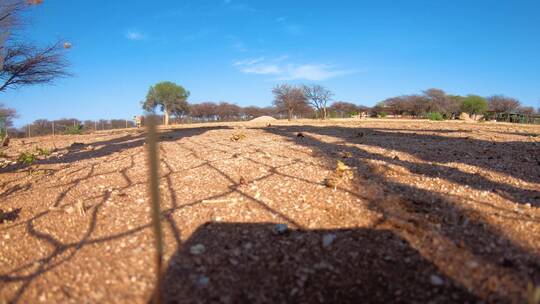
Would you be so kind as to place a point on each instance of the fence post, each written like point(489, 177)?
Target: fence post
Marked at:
point(53, 128)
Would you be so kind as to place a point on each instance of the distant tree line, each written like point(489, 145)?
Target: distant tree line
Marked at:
point(42, 127)
point(290, 101)
point(449, 106)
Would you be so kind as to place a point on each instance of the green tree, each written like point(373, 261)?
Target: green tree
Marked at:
point(170, 97)
point(474, 104)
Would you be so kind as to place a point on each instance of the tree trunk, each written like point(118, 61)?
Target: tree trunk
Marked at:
point(290, 114)
point(167, 116)
point(325, 115)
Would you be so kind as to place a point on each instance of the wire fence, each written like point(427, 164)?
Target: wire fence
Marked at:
point(67, 126)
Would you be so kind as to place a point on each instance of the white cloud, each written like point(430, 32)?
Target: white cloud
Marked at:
point(315, 72)
point(239, 46)
point(289, 71)
point(248, 62)
point(290, 28)
point(135, 35)
point(262, 69)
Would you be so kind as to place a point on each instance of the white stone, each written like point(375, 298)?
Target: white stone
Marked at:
point(328, 239)
point(436, 280)
point(197, 249)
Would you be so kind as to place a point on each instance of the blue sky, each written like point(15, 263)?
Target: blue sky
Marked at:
point(237, 50)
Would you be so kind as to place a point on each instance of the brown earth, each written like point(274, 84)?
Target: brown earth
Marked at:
point(432, 212)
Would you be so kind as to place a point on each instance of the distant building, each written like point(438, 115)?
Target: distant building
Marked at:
point(138, 120)
point(513, 117)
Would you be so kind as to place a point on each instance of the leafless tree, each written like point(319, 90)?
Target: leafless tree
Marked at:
point(318, 96)
point(397, 105)
point(203, 111)
point(6, 116)
point(501, 103)
point(439, 101)
point(21, 62)
point(344, 109)
point(9, 11)
point(525, 110)
point(228, 111)
point(289, 98)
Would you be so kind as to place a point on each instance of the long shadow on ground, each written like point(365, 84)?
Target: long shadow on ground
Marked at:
point(446, 232)
point(250, 263)
point(81, 152)
point(519, 159)
point(64, 252)
point(515, 159)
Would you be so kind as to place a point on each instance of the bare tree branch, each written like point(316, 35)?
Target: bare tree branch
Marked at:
point(289, 98)
point(29, 65)
point(318, 96)
point(20, 62)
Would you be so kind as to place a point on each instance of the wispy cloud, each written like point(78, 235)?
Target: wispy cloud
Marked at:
point(135, 35)
point(282, 70)
point(240, 7)
point(239, 46)
point(290, 28)
point(314, 72)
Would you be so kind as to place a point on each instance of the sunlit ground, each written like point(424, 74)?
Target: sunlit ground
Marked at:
point(442, 211)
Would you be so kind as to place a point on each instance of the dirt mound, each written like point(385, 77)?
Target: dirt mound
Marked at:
point(263, 119)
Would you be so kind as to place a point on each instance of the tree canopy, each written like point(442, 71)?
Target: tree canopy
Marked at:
point(345, 109)
point(318, 96)
point(290, 99)
point(501, 103)
point(474, 104)
point(169, 97)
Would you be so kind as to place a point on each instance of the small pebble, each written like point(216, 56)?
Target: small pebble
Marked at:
point(281, 229)
point(436, 280)
point(328, 239)
point(203, 281)
point(472, 264)
point(197, 249)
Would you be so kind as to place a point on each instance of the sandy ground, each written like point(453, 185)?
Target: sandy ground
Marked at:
point(418, 211)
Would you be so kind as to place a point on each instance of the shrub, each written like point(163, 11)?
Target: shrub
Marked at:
point(74, 130)
point(434, 116)
point(383, 114)
point(43, 151)
point(26, 158)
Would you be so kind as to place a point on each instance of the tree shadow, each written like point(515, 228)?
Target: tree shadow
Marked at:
point(443, 229)
point(393, 261)
point(250, 263)
point(433, 149)
point(63, 252)
point(84, 151)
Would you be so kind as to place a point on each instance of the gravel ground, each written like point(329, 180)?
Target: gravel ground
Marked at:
point(338, 211)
